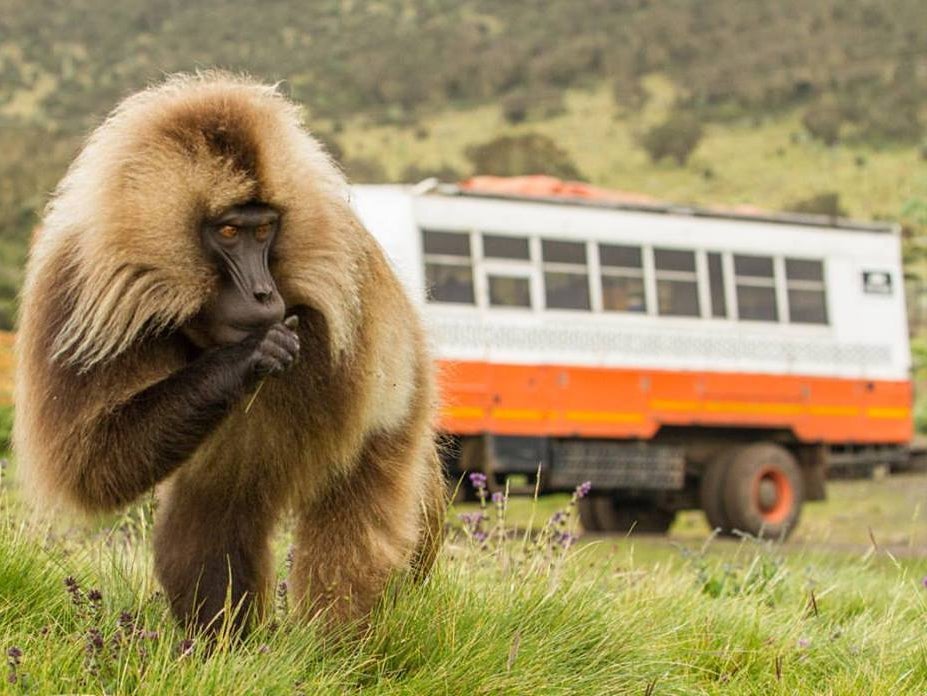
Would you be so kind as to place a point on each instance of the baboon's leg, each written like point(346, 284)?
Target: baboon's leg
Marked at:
point(212, 547)
point(369, 526)
point(433, 508)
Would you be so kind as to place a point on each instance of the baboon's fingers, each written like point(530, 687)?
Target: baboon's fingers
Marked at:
point(283, 338)
point(283, 354)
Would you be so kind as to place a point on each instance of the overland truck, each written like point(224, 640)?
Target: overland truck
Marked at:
point(676, 357)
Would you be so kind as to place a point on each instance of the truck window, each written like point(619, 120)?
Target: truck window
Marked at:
point(677, 283)
point(497, 246)
point(566, 277)
point(756, 288)
point(448, 266)
point(622, 278)
point(806, 291)
point(716, 285)
point(509, 291)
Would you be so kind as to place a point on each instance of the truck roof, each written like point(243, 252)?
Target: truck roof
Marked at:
point(547, 189)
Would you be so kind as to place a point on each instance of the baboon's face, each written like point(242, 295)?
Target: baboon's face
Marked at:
point(239, 242)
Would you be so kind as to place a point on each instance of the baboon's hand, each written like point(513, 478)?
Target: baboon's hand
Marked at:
point(277, 349)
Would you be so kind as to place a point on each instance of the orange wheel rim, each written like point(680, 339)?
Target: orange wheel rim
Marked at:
point(773, 495)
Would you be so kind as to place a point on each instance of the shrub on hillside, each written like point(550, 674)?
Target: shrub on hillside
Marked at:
point(676, 137)
point(6, 427)
point(364, 170)
point(515, 107)
point(536, 102)
point(414, 173)
point(516, 155)
point(823, 121)
point(331, 145)
point(894, 120)
point(825, 203)
point(627, 91)
point(7, 313)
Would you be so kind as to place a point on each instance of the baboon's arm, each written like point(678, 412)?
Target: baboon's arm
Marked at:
point(147, 437)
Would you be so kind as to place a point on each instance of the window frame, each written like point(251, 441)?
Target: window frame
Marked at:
point(772, 282)
point(503, 268)
point(677, 276)
point(710, 308)
point(564, 267)
point(807, 285)
point(612, 271)
point(449, 260)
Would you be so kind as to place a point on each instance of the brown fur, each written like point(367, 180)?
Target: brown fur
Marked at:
point(344, 438)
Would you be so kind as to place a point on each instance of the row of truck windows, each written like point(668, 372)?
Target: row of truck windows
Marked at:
point(587, 276)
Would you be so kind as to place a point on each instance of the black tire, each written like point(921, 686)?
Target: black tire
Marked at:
point(763, 491)
point(616, 515)
point(587, 515)
point(711, 492)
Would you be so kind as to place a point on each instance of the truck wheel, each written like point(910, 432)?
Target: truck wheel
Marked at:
point(763, 490)
point(711, 492)
point(616, 515)
point(587, 514)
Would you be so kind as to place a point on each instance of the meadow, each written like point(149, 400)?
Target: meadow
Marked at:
point(839, 609)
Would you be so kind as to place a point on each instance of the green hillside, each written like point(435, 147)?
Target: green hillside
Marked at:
point(783, 101)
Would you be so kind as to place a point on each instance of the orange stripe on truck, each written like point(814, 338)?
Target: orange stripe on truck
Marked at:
point(567, 401)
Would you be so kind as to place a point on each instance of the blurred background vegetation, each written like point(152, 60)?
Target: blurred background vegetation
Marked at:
point(791, 105)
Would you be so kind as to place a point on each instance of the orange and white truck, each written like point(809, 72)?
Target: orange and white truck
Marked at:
point(675, 357)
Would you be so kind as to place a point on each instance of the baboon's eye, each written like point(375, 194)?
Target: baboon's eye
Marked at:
point(228, 231)
point(262, 232)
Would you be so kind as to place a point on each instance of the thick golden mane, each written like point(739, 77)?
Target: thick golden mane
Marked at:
point(124, 220)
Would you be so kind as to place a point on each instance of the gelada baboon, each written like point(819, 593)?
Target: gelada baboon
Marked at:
point(203, 310)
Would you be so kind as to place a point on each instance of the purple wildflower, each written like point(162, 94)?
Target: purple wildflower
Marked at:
point(498, 497)
point(557, 518)
point(478, 480)
point(95, 596)
point(126, 621)
point(472, 520)
point(94, 640)
point(73, 589)
point(582, 490)
point(804, 643)
point(283, 605)
point(924, 582)
point(480, 536)
point(14, 654)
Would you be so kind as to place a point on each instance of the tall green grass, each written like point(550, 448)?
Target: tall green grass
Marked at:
point(504, 612)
